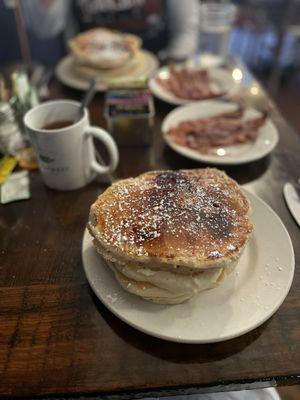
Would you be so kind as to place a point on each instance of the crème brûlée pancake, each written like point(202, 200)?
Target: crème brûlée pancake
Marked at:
point(103, 48)
point(168, 235)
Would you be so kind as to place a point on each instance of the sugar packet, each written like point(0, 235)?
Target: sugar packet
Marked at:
point(7, 164)
point(16, 187)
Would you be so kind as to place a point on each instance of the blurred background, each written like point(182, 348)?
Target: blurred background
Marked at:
point(264, 34)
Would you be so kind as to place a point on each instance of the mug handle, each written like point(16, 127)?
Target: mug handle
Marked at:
point(111, 147)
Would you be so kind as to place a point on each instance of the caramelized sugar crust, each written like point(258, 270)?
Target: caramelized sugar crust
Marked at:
point(188, 217)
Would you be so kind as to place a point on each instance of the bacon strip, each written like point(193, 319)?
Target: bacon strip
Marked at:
point(221, 130)
point(189, 84)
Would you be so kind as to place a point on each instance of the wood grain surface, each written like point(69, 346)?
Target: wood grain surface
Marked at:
point(57, 339)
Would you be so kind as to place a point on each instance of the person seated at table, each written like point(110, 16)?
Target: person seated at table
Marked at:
point(169, 27)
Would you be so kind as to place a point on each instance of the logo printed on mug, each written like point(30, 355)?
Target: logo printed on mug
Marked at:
point(46, 159)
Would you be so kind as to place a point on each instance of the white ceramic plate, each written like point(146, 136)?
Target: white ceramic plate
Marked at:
point(237, 154)
point(248, 297)
point(65, 73)
point(221, 80)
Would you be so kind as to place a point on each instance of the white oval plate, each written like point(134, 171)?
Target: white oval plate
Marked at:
point(247, 298)
point(237, 154)
point(65, 73)
point(221, 80)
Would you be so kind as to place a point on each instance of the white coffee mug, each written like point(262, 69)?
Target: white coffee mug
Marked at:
point(67, 155)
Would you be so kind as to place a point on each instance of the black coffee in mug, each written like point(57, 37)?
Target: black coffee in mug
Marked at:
point(57, 125)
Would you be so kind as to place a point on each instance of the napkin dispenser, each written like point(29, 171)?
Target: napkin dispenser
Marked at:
point(129, 112)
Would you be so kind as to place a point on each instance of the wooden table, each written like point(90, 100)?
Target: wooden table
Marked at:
point(57, 339)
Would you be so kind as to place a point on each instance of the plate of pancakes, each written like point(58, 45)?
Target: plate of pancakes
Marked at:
point(108, 56)
point(187, 256)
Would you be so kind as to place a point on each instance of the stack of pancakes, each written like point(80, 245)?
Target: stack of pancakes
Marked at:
point(105, 54)
point(168, 235)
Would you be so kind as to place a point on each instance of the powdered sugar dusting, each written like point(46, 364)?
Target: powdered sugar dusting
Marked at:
point(174, 213)
point(106, 44)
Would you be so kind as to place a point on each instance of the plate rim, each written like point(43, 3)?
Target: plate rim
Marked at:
point(177, 339)
point(164, 95)
point(82, 84)
point(206, 159)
